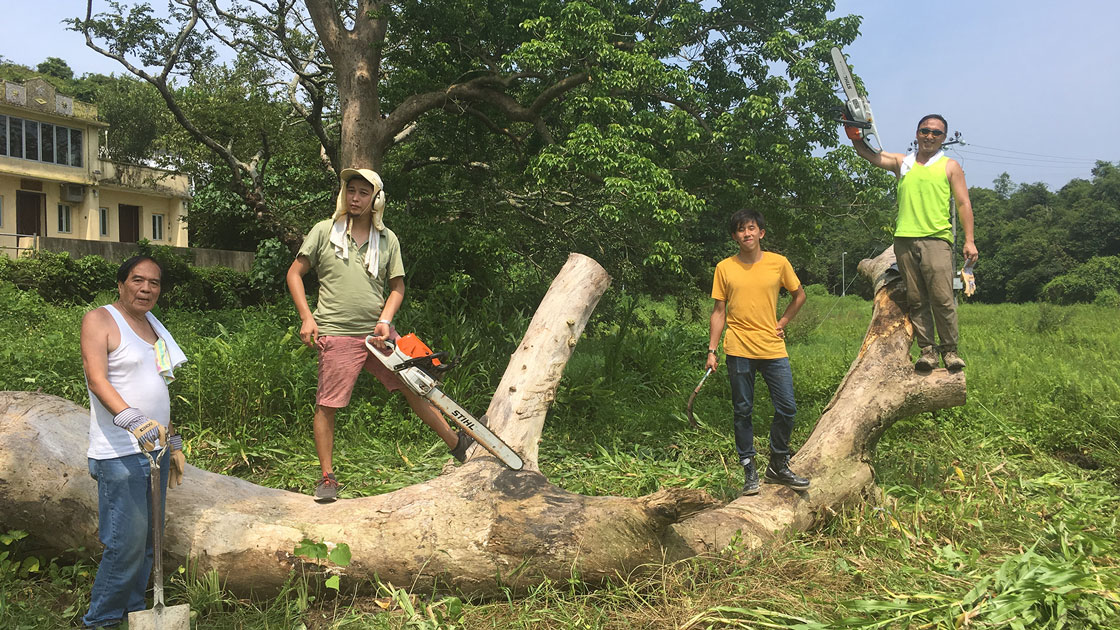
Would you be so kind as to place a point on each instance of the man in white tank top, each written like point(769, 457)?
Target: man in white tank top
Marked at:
point(128, 358)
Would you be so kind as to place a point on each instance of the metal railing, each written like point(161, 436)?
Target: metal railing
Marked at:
point(13, 247)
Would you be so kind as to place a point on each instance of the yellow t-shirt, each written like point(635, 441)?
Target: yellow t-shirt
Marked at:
point(751, 293)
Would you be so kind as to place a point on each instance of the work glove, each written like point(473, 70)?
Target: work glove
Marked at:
point(145, 430)
point(853, 132)
point(968, 279)
point(178, 461)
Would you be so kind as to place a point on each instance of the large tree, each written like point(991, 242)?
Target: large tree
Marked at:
point(600, 126)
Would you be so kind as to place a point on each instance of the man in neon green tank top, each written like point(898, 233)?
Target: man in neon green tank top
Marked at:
point(923, 237)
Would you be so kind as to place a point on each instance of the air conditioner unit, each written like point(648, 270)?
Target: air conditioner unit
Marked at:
point(73, 192)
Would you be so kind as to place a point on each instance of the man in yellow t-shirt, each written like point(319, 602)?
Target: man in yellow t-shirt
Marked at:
point(745, 289)
point(923, 237)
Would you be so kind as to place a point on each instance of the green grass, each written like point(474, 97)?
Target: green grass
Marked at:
point(998, 514)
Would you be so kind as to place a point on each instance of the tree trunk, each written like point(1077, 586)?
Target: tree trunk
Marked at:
point(480, 527)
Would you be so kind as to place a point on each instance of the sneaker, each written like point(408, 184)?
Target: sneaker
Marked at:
point(327, 488)
point(460, 450)
point(777, 471)
point(927, 360)
point(953, 361)
point(750, 479)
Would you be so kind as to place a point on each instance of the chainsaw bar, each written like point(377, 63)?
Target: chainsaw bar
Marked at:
point(857, 108)
point(420, 382)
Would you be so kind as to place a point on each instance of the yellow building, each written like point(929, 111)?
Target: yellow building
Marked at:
point(54, 182)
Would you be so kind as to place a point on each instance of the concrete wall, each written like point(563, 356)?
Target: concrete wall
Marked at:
point(116, 252)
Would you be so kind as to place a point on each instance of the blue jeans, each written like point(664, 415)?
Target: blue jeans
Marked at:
point(779, 380)
point(125, 528)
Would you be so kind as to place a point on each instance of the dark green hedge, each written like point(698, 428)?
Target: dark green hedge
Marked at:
point(60, 279)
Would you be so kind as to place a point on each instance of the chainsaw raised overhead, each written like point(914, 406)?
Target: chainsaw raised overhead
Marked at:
point(855, 114)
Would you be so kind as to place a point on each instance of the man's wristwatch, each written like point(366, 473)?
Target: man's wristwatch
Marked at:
point(385, 321)
point(710, 351)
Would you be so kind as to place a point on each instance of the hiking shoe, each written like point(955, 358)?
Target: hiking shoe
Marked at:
point(750, 479)
point(777, 471)
point(460, 450)
point(327, 488)
point(953, 361)
point(927, 360)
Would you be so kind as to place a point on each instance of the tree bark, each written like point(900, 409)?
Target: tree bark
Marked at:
point(480, 527)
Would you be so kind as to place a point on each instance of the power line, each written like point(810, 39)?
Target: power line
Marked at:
point(1055, 157)
point(1029, 159)
point(1007, 162)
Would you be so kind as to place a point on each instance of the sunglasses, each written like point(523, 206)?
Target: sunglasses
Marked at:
point(926, 131)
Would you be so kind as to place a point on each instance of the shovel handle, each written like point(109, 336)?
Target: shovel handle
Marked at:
point(156, 477)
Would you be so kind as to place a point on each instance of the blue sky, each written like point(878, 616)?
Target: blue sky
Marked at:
point(1032, 85)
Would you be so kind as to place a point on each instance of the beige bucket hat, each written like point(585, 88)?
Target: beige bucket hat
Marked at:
point(378, 191)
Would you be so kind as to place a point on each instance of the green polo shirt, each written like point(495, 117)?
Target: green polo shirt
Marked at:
point(350, 300)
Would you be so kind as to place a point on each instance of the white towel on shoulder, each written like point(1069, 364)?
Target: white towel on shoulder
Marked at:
point(912, 158)
point(175, 356)
point(340, 232)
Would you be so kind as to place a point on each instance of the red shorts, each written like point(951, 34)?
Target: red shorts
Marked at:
point(341, 360)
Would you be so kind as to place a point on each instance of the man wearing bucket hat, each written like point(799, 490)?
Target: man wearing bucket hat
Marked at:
point(356, 258)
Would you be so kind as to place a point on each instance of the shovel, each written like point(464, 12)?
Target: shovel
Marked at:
point(692, 398)
point(160, 617)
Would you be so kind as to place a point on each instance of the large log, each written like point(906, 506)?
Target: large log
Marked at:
point(479, 527)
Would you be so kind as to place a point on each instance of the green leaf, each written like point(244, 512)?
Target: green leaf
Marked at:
point(311, 549)
point(340, 555)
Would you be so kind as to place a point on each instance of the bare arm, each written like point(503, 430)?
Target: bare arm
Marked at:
point(309, 329)
point(964, 208)
point(884, 159)
point(791, 310)
point(389, 311)
point(97, 328)
point(715, 331)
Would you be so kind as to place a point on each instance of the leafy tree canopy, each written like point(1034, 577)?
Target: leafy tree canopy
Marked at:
point(508, 133)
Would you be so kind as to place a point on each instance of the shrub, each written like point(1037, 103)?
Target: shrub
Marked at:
point(1109, 298)
point(269, 267)
point(210, 288)
point(1085, 281)
point(57, 277)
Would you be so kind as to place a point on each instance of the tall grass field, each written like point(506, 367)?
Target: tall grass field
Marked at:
point(1002, 513)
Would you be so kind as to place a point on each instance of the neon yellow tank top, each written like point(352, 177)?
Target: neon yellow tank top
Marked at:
point(923, 202)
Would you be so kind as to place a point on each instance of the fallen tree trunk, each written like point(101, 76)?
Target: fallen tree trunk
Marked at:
point(479, 527)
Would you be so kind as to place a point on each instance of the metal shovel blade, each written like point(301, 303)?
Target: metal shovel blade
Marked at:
point(161, 618)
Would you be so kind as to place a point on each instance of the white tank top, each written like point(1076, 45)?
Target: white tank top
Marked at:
point(135, 376)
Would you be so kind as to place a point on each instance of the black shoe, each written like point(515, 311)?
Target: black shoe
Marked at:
point(460, 450)
point(778, 472)
point(327, 488)
point(750, 479)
